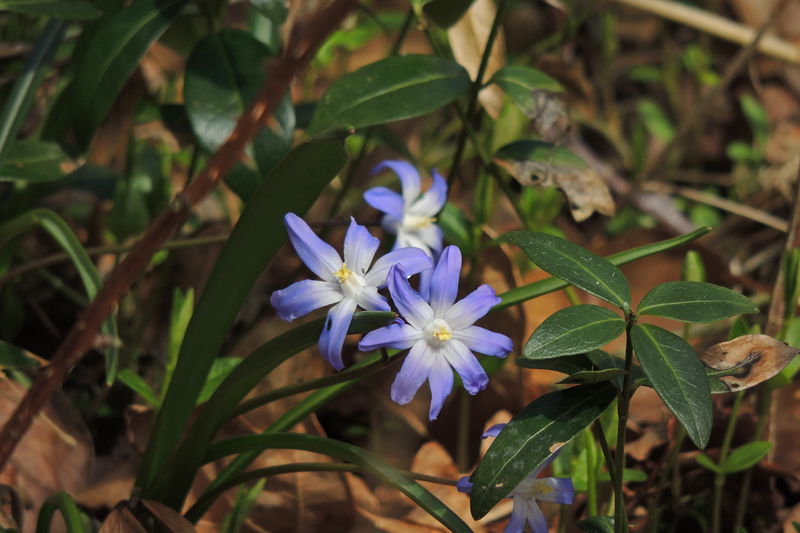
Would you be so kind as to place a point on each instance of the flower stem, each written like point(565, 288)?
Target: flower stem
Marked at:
point(623, 408)
point(591, 482)
point(719, 478)
point(600, 434)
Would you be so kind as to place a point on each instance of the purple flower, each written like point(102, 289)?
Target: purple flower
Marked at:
point(548, 489)
point(348, 284)
point(439, 332)
point(410, 216)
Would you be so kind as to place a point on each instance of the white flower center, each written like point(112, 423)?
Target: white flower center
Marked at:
point(416, 222)
point(351, 283)
point(437, 332)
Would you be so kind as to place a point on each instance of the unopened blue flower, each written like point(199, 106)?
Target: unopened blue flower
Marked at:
point(548, 489)
point(348, 284)
point(439, 332)
point(411, 216)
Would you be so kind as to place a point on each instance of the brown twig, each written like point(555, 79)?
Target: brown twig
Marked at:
point(297, 56)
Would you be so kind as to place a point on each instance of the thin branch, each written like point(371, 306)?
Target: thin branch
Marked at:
point(299, 52)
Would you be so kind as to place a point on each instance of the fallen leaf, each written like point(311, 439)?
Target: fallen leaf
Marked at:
point(748, 360)
point(547, 165)
point(468, 41)
point(121, 520)
point(167, 518)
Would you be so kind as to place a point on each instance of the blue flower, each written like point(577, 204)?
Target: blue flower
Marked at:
point(548, 489)
point(439, 332)
point(348, 284)
point(410, 216)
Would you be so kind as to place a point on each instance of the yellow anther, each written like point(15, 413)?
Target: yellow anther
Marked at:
point(443, 334)
point(544, 488)
point(343, 273)
point(427, 222)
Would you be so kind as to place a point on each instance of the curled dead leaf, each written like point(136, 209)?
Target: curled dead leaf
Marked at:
point(746, 361)
point(547, 165)
point(121, 520)
point(167, 518)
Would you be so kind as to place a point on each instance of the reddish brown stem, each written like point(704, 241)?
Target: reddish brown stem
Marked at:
point(81, 337)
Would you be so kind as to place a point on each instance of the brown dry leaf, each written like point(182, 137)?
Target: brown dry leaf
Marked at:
point(55, 454)
point(167, 518)
point(750, 359)
point(121, 520)
point(468, 40)
point(585, 190)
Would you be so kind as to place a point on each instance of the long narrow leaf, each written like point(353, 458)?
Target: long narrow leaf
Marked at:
point(293, 186)
point(345, 452)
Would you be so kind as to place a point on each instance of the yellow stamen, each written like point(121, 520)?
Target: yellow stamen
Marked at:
point(427, 222)
point(443, 334)
point(544, 488)
point(343, 273)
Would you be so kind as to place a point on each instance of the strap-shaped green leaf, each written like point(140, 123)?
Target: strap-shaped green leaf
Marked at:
point(695, 302)
point(34, 162)
point(574, 330)
point(63, 9)
point(574, 264)
point(345, 452)
point(392, 89)
point(537, 431)
point(293, 186)
point(678, 376)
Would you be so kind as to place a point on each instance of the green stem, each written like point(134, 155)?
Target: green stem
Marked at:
point(314, 384)
point(763, 414)
point(260, 473)
point(623, 408)
point(719, 478)
point(591, 481)
point(600, 434)
point(572, 296)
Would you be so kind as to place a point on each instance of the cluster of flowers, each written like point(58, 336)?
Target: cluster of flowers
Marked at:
point(438, 330)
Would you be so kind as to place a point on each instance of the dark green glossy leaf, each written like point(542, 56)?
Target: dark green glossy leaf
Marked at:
point(570, 364)
point(540, 429)
point(62, 9)
point(573, 330)
point(605, 361)
point(274, 10)
point(706, 462)
point(597, 524)
point(695, 302)
point(35, 161)
point(795, 525)
point(546, 286)
point(118, 45)
point(574, 264)
point(592, 376)
point(254, 241)
point(522, 84)
point(677, 375)
point(63, 235)
point(445, 13)
point(391, 89)
point(351, 454)
point(746, 456)
point(224, 74)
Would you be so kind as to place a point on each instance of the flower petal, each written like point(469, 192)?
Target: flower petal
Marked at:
point(441, 382)
point(318, 255)
point(413, 374)
point(335, 330)
point(413, 261)
point(444, 284)
point(385, 200)
point(484, 341)
point(370, 300)
point(425, 284)
point(545, 464)
point(518, 512)
point(535, 516)
point(391, 225)
point(410, 239)
point(472, 373)
point(433, 200)
point(562, 490)
point(359, 248)
point(412, 307)
point(493, 431)
point(396, 335)
point(464, 313)
point(409, 178)
point(301, 298)
point(431, 236)
point(464, 485)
